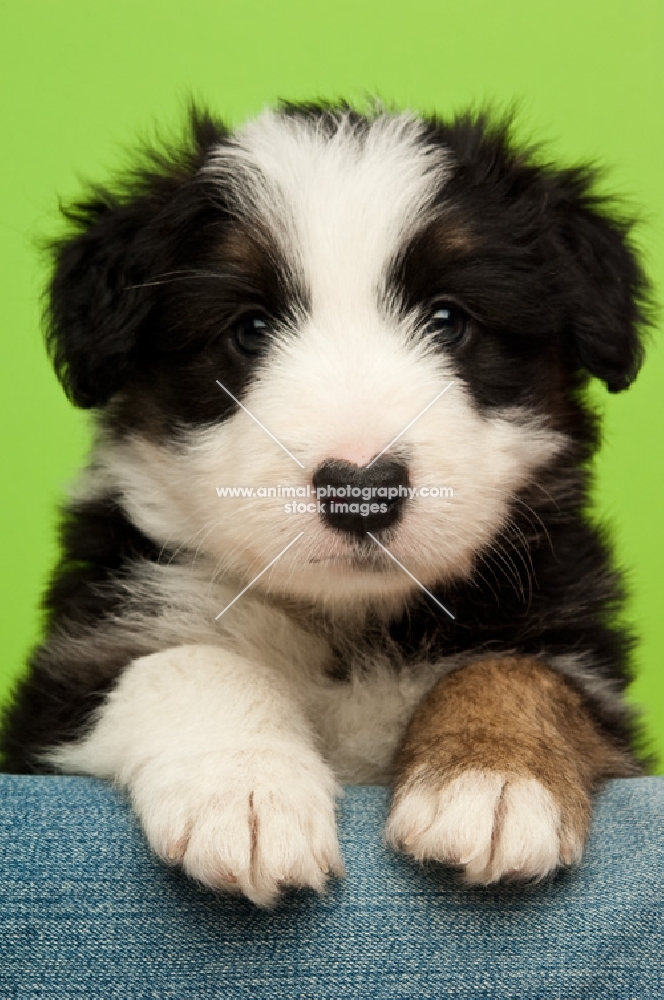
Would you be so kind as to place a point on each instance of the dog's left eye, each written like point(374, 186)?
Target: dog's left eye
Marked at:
point(448, 323)
point(251, 334)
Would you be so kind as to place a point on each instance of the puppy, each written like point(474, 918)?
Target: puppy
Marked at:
point(334, 523)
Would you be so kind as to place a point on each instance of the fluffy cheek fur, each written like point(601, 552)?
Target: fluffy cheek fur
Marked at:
point(323, 385)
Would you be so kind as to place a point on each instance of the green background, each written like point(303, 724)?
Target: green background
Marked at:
point(83, 80)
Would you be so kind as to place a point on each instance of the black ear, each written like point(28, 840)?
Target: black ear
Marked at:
point(606, 293)
point(102, 289)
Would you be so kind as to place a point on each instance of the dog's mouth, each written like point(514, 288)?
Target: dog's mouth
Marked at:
point(366, 559)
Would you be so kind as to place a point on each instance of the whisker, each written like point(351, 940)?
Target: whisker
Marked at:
point(170, 276)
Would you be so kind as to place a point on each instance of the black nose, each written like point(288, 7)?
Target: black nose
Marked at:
point(356, 499)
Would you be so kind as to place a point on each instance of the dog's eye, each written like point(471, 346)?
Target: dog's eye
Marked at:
point(251, 334)
point(448, 323)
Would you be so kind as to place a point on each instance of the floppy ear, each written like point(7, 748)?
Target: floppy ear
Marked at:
point(100, 297)
point(605, 289)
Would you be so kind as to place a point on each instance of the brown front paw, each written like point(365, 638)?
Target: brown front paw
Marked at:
point(493, 824)
point(496, 772)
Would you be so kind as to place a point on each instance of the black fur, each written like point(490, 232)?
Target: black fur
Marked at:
point(137, 322)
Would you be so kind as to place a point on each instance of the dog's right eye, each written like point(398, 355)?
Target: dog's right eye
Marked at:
point(448, 323)
point(251, 334)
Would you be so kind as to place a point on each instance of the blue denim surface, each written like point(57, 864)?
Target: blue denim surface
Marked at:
point(86, 912)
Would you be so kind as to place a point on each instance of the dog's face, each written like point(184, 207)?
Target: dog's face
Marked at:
point(324, 299)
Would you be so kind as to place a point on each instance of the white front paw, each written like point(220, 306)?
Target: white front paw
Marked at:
point(492, 824)
point(251, 821)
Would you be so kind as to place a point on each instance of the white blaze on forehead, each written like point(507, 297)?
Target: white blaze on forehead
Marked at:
point(340, 205)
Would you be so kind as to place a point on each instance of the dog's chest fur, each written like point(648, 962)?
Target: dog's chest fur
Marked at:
point(355, 685)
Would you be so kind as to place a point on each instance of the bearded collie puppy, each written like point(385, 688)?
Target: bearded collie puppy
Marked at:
point(334, 525)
